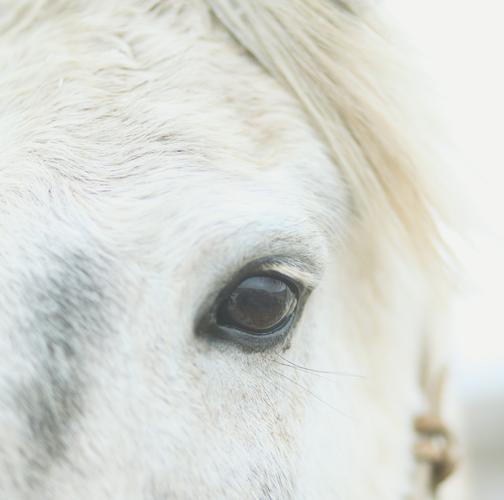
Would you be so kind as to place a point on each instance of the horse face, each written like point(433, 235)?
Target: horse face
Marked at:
point(168, 218)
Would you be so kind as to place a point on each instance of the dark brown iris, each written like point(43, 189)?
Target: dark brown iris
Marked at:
point(259, 304)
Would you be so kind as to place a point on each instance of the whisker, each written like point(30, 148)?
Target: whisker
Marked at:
point(268, 380)
point(312, 370)
point(308, 372)
point(289, 393)
point(313, 395)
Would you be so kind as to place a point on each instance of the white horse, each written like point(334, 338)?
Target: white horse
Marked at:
point(219, 266)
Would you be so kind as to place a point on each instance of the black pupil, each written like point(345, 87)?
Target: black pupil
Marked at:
point(258, 304)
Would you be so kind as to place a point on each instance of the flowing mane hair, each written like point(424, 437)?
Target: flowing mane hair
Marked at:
point(336, 58)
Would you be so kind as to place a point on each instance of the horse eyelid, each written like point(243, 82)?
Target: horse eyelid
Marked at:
point(303, 273)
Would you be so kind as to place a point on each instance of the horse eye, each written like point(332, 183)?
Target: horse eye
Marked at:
point(259, 305)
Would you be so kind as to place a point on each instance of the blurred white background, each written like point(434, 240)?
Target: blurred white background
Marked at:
point(462, 48)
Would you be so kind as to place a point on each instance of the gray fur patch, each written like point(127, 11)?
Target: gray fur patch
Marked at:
point(67, 318)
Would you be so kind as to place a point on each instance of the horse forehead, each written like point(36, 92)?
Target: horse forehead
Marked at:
point(92, 102)
point(178, 129)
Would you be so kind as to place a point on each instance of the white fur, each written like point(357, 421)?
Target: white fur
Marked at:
point(142, 136)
